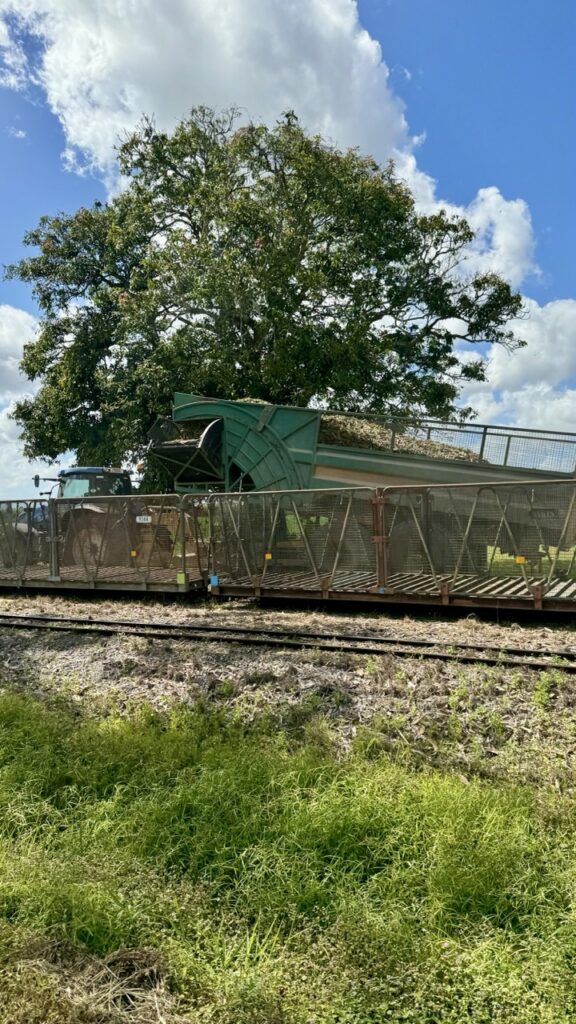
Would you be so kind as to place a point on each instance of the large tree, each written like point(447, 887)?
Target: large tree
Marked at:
point(247, 261)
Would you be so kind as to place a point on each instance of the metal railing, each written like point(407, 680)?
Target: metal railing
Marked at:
point(515, 447)
point(521, 529)
point(515, 539)
point(135, 541)
point(509, 539)
point(320, 540)
point(550, 450)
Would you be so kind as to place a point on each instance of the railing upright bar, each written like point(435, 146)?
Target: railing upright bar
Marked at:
point(53, 552)
point(483, 444)
point(341, 539)
point(465, 536)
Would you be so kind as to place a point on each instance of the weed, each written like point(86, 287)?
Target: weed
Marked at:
point(458, 697)
point(546, 684)
point(260, 678)
point(225, 688)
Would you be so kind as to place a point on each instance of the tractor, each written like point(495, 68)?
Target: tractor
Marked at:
point(86, 528)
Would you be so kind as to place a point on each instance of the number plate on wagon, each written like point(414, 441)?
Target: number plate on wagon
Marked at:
point(144, 519)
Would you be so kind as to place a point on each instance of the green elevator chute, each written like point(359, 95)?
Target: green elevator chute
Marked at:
point(246, 445)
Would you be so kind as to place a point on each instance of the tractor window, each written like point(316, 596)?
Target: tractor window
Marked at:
point(75, 487)
point(115, 485)
point(99, 485)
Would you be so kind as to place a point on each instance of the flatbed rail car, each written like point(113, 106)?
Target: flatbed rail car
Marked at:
point(507, 544)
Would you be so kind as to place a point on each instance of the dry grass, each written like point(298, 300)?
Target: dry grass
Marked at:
point(51, 982)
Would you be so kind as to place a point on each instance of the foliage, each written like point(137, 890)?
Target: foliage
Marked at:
point(246, 261)
point(276, 881)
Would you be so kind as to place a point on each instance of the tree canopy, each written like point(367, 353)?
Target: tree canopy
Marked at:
point(242, 260)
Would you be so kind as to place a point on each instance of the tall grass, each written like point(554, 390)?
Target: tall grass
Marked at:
point(280, 881)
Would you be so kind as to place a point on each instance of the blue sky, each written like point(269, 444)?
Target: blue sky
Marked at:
point(475, 101)
point(493, 88)
point(33, 181)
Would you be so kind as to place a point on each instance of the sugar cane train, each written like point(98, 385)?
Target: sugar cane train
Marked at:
point(263, 498)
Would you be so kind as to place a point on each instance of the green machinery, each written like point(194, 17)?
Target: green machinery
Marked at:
point(216, 445)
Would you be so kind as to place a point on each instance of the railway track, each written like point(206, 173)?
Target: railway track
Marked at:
point(373, 644)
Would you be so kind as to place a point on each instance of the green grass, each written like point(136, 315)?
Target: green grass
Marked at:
point(278, 880)
point(506, 565)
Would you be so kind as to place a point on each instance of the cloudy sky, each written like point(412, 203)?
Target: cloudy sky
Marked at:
point(474, 99)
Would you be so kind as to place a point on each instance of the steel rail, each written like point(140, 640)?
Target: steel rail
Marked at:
point(339, 642)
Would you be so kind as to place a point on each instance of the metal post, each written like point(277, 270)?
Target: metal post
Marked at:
point(482, 444)
point(507, 449)
point(181, 577)
point(379, 537)
point(54, 576)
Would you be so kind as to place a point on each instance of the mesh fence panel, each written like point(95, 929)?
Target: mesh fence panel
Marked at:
point(293, 539)
point(24, 540)
point(466, 539)
point(527, 531)
point(119, 539)
point(195, 535)
point(490, 540)
point(503, 446)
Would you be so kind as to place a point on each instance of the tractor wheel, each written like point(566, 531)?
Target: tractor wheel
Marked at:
point(85, 545)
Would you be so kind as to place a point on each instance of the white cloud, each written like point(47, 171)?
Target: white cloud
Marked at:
point(550, 355)
point(504, 240)
point(13, 64)
point(16, 328)
point(16, 133)
point(104, 64)
point(534, 386)
point(16, 472)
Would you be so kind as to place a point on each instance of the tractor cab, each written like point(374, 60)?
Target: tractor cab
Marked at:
point(93, 482)
point(90, 482)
